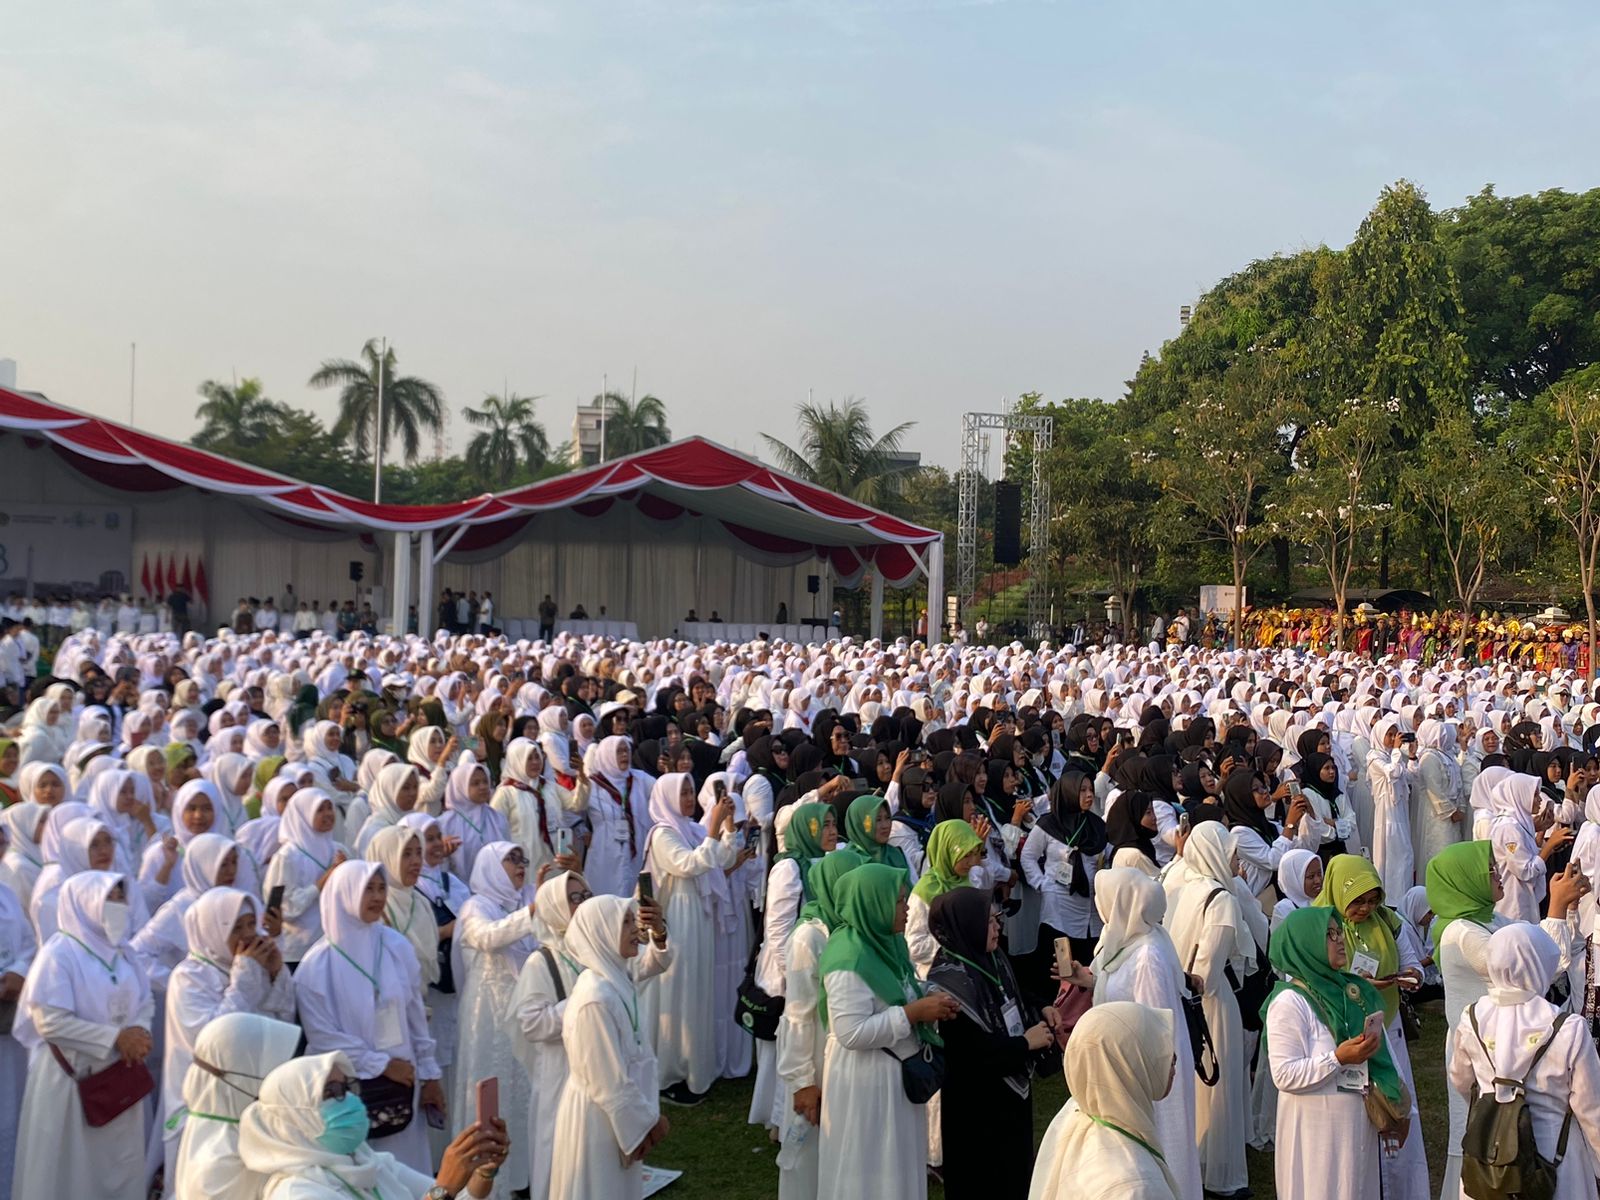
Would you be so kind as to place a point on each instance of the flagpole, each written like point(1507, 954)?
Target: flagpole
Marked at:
point(377, 454)
point(603, 407)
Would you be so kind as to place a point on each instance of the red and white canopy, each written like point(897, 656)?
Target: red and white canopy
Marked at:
point(772, 516)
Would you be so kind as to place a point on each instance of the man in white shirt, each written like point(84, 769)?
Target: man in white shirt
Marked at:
point(127, 616)
point(330, 619)
point(267, 617)
point(486, 613)
point(27, 650)
point(305, 621)
point(11, 660)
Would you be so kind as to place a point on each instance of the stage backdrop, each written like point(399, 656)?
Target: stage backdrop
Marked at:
point(86, 549)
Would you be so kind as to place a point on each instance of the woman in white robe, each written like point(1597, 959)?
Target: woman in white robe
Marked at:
point(195, 811)
point(210, 861)
point(232, 1055)
point(1439, 808)
point(1210, 932)
point(431, 752)
point(494, 936)
point(24, 857)
point(736, 893)
point(87, 996)
point(85, 844)
point(17, 949)
point(1484, 743)
point(1102, 1144)
point(299, 1138)
point(609, 1114)
point(685, 861)
point(1500, 1037)
point(231, 967)
point(468, 820)
point(1390, 770)
point(360, 993)
point(446, 895)
point(1135, 960)
point(618, 819)
point(393, 795)
point(332, 771)
point(1520, 849)
point(232, 775)
point(307, 856)
point(534, 816)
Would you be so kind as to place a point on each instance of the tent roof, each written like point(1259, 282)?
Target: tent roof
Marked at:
point(771, 514)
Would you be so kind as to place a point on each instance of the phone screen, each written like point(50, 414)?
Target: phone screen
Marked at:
point(647, 886)
point(1373, 1023)
point(275, 899)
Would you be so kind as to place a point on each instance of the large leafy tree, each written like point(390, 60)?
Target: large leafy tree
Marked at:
point(238, 415)
point(411, 406)
point(511, 439)
point(838, 450)
point(633, 425)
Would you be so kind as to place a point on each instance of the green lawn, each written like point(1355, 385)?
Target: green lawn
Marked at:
point(723, 1158)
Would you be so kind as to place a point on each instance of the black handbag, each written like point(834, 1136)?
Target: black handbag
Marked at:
point(921, 1073)
point(389, 1106)
point(1194, 1016)
point(756, 1012)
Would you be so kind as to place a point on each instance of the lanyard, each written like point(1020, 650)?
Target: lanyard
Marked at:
point(177, 1117)
point(994, 979)
point(347, 1187)
point(312, 857)
point(373, 978)
point(208, 962)
point(1133, 1137)
point(410, 913)
point(110, 967)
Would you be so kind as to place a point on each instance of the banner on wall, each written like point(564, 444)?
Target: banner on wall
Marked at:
point(82, 549)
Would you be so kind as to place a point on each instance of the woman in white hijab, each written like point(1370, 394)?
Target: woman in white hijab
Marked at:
point(1481, 800)
point(231, 967)
point(1391, 768)
point(17, 949)
point(393, 795)
point(609, 1115)
point(307, 1137)
point(1135, 960)
point(232, 776)
point(1439, 809)
point(87, 997)
point(493, 938)
point(1521, 848)
point(45, 734)
point(24, 857)
point(687, 863)
point(534, 815)
point(618, 817)
point(307, 856)
point(210, 861)
point(468, 818)
point(736, 893)
point(446, 896)
point(1299, 881)
point(1513, 1034)
point(1211, 931)
point(83, 844)
point(332, 771)
point(430, 752)
point(1102, 1144)
point(360, 993)
point(232, 1055)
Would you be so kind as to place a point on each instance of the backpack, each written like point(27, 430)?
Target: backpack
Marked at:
point(1499, 1157)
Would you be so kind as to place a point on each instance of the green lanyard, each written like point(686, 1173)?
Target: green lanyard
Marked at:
point(410, 914)
point(994, 979)
point(370, 976)
point(1133, 1137)
point(177, 1117)
point(577, 968)
point(353, 1191)
point(312, 857)
point(110, 967)
point(208, 962)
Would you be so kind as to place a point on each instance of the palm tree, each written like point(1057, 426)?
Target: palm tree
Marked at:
point(239, 415)
point(633, 425)
point(511, 438)
point(838, 451)
point(410, 405)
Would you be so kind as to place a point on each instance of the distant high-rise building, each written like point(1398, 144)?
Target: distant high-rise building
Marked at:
point(8, 372)
point(586, 435)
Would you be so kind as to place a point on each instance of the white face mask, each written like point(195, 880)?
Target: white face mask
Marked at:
point(115, 920)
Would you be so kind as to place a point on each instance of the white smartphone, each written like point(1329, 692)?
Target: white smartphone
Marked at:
point(1373, 1025)
point(563, 841)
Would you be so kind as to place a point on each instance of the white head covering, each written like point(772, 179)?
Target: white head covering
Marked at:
point(385, 792)
point(1131, 904)
point(209, 921)
point(551, 908)
point(490, 881)
point(278, 1133)
point(407, 911)
point(359, 941)
point(296, 833)
point(1522, 960)
point(1208, 857)
point(594, 939)
point(1292, 876)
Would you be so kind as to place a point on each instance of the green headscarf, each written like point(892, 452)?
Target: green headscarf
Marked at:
point(865, 943)
point(176, 752)
point(861, 816)
point(303, 709)
point(1299, 953)
point(266, 770)
point(1348, 877)
point(824, 879)
point(949, 842)
point(1459, 886)
point(803, 839)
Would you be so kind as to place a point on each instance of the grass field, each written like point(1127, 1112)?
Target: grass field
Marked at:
point(724, 1158)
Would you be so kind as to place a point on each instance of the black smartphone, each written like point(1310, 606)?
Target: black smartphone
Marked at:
point(751, 831)
point(719, 788)
point(647, 886)
point(275, 900)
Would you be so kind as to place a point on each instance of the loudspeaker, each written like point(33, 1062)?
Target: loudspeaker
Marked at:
point(813, 584)
point(1007, 523)
point(357, 570)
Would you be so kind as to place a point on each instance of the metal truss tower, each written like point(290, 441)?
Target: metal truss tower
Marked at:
point(973, 457)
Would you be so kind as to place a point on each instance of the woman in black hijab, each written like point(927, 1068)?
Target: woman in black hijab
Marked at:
point(987, 1108)
point(1073, 824)
point(1126, 827)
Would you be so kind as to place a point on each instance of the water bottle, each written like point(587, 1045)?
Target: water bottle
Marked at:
point(795, 1135)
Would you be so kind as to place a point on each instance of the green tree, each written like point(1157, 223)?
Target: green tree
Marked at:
point(837, 450)
point(511, 438)
point(238, 415)
point(631, 426)
point(410, 405)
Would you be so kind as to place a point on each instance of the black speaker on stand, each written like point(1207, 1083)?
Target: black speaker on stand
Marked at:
point(1007, 523)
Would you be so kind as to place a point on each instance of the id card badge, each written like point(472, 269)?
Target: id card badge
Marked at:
point(1013, 1018)
point(1351, 1077)
point(1364, 965)
point(390, 1032)
point(119, 1008)
point(1344, 827)
point(1063, 871)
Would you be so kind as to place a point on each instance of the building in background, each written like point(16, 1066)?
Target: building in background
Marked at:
point(586, 435)
point(8, 372)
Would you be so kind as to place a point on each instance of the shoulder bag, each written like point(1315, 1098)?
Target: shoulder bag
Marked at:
point(1194, 1016)
point(106, 1095)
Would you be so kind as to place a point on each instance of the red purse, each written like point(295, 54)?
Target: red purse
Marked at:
point(1071, 1003)
point(107, 1094)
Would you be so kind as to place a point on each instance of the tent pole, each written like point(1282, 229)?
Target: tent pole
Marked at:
point(875, 622)
point(400, 587)
point(425, 601)
point(936, 591)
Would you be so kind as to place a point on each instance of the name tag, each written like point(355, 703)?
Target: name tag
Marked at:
point(1364, 965)
point(1061, 871)
point(390, 1031)
point(1352, 1077)
point(1013, 1019)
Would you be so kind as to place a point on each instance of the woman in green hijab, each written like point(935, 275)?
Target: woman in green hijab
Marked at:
point(1326, 1144)
point(874, 1140)
point(303, 709)
point(868, 825)
point(812, 832)
point(266, 769)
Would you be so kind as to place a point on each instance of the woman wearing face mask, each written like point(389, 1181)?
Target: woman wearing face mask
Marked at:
point(360, 993)
point(85, 844)
point(307, 1136)
point(232, 1055)
point(232, 967)
point(86, 996)
point(609, 1116)
point(494, 936)
point(1102, 1144)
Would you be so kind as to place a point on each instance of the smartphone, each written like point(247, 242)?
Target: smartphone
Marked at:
point(563, 841)
point(859, 783)
point(719, 788)
point(1183, 825)
point(488, 1101)
point(647, 886)
point(275, 899)
point(434, 1115)
point(1373, 1024)
point(751, 830)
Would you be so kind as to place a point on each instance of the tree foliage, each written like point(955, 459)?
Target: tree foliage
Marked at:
point(838, 450)
point(631, 426)
point(511, 442)
point(411, 406)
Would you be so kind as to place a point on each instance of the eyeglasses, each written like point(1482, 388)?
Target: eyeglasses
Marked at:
point(338, 1089)
point(517, 858)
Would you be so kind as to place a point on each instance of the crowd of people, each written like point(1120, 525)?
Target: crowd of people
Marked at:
point(387, 916)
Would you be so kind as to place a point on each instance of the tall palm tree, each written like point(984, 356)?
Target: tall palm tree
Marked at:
point(410, 405)
point(633, 425)
point(237, 415)
point(511, 437)
point(838, 451)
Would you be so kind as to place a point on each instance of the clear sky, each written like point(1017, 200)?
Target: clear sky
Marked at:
point(929, 204)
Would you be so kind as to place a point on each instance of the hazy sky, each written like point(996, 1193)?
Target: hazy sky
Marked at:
point(929, 204)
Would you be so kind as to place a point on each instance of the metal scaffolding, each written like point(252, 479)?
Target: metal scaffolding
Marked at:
point(974, 455)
